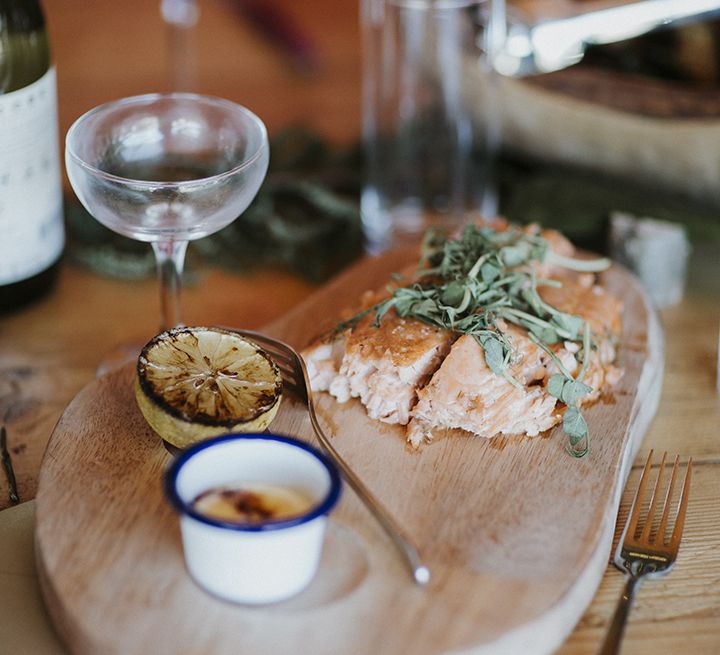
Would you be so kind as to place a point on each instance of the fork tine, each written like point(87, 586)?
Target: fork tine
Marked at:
point(682, 508)
point(642, 557)
point(277, 353)
point(293, 386)
point(667, 502)
point(645, 536)
point(284, 358)
point(635, 511)
point(285, 369)
point(274, 347)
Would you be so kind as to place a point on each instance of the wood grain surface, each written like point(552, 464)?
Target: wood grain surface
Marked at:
point(105, 50)
point(515, 531)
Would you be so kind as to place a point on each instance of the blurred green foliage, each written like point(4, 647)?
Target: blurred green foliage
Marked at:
point(306, 216)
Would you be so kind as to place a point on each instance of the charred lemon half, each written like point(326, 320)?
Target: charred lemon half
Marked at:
point(193, 383)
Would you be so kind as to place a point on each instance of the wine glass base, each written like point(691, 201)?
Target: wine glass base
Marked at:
point(119, 357)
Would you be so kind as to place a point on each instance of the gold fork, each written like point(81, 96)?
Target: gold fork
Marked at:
point(649, 554)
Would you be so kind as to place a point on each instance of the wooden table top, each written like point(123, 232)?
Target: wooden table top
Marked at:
point(49, 351)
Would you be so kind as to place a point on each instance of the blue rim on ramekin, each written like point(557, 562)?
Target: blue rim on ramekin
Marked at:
point(319, 509)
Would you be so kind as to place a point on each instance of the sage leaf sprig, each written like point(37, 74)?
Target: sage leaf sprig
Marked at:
point(469, 283)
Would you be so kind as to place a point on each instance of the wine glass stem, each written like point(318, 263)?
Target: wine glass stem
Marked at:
point(181, 17)
point(170, 258)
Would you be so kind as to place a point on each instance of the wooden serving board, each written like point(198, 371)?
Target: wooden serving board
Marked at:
point(516, 532)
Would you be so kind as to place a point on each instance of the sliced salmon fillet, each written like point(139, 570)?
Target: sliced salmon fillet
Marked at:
point(383, 366)
point(465, 394)
point(406, 372)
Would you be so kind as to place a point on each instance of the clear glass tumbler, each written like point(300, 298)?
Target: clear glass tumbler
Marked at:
point(428, 145)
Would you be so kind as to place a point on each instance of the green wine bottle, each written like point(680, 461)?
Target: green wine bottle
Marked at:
point(31, 219)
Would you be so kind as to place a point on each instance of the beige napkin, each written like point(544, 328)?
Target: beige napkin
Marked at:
point(24, 622)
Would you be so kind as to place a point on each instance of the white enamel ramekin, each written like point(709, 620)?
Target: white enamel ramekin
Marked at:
point(259, 562)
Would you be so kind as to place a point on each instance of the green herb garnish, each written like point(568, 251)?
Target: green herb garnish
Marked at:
point(467, 284)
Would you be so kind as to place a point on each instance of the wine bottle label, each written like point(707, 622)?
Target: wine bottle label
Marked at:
point(31, 219)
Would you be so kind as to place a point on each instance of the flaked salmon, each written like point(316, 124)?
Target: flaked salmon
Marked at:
point(410, 371)
point(383, 366)
point(465, 394)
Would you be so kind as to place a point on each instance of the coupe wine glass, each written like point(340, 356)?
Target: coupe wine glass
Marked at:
point(167, 169)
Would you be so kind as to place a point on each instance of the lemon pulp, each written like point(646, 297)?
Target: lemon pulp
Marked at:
point(193, 383)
